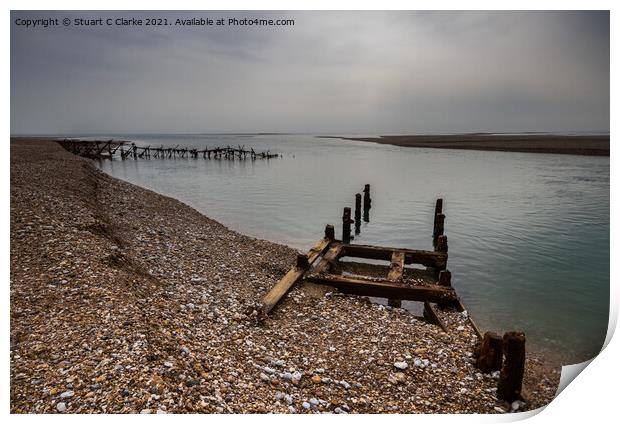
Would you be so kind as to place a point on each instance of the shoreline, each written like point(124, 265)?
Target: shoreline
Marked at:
point(124, 300)
point(586, 145)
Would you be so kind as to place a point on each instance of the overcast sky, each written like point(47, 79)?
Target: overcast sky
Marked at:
point(332, 72)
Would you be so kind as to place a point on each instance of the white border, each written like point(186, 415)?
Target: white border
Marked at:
point(593, 394)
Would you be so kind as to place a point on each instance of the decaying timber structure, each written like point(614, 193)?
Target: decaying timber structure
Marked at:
point(125, 150)
point(429, 283)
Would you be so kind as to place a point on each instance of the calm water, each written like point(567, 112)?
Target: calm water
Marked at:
point(528, 233)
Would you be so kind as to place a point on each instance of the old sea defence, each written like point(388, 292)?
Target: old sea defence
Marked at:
point(528, 233)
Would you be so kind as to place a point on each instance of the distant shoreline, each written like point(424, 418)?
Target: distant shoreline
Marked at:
point(588, 145)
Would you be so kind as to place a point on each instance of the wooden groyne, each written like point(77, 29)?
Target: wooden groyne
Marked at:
point(126, 150)
point(322, 265)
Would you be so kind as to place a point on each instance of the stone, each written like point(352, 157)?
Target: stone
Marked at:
point(316, 379)
point(397, 378)
point(68, 393)
point(306, 405)
point(61, 407)
point(401, 365)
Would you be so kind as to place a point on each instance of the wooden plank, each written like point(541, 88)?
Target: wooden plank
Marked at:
point(432, 317)
point(271, 299)
point(397, 266)
point(329, 259)
point(423, 257)
point(384, 288)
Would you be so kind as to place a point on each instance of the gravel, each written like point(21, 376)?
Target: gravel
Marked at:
point(133, 302)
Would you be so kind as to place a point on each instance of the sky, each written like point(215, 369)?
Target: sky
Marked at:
point(331, 72)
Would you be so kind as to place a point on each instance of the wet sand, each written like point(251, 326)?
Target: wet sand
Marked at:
point(594, 145)
point(124, 300)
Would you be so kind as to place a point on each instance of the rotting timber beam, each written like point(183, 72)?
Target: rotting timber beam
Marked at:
point(271, 299)
point(384, 288)
point(328, 263)
point(424, 257)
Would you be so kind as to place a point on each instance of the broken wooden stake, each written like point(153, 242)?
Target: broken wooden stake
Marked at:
point(367, 202)
point(330, 233)
point(302, 261)
point(358, 213)
point(491, 353)
point(511, 375)
point(438, 227)
point(346, 225)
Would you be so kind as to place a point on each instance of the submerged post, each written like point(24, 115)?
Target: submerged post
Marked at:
point(346, 225)
point(438, 221)
point(511, 376)
point(358, 213)
point(367, 203)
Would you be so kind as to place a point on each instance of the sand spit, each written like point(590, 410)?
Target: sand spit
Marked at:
point(123, 300)
point(589, 145)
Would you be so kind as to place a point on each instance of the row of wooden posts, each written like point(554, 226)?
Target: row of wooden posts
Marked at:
point(494, 353)
point(346, 215)
point(108, 150)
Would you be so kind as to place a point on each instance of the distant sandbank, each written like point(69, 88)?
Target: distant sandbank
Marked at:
point(591, 145)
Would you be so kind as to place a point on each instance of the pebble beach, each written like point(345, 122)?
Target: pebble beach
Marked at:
point(127, 301)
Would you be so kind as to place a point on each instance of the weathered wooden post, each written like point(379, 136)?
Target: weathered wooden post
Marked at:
point(511, 375)
point(358, 213)
point(367, 202)
point(302, 261)
point(330, 234)
point(491, 353)
point(346, 225)
point(135, 151)
point(442, 244)
point(438, 221)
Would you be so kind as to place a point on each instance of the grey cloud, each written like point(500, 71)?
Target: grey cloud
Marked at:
point(340, 72)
